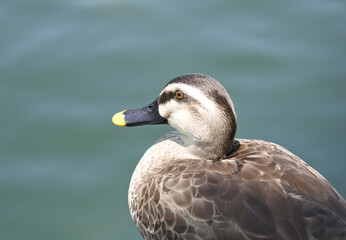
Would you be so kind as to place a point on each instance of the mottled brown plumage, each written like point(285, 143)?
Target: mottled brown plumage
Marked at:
point(261, 191)
point(200, 184)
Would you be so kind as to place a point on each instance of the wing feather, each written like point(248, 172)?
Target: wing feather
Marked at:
point(262, 191)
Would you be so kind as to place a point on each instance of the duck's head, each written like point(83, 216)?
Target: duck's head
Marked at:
point(197, 106)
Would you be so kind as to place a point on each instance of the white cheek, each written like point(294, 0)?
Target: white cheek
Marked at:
point(182, 121)
point(165, 109)
point(177, 117)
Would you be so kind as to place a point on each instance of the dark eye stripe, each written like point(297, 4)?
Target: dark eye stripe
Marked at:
point(166, 96)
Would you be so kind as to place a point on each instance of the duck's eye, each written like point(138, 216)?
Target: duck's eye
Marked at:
point(179, 94)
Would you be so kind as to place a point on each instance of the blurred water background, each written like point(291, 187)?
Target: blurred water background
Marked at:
point(67, 66)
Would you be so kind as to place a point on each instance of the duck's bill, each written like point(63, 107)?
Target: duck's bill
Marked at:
point(141, 116)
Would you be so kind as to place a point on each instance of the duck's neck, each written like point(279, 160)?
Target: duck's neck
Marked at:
point(171, 147)
point(212, 142)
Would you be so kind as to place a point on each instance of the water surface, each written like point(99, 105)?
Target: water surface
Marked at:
point(67, 66)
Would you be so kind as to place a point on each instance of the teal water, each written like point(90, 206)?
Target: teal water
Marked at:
point(67, 66)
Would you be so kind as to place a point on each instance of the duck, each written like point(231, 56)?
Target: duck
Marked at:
point(201, 183)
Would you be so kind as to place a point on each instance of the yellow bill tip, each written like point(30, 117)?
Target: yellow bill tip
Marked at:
point(118, 119)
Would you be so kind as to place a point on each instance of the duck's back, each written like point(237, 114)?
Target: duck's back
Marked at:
point(260, 191)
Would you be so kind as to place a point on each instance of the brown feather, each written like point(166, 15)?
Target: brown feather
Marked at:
point(274, 195)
